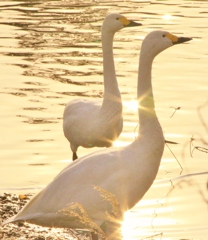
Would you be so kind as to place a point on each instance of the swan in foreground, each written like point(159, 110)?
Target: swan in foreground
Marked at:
point(95, 191)
point(89, 123)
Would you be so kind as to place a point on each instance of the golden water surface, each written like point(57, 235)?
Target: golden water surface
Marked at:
point(50, 53)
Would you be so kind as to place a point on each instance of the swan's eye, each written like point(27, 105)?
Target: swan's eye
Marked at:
point(117, 18)
point(164, 35)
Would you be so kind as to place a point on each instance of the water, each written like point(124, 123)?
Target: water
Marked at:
point(50, 53)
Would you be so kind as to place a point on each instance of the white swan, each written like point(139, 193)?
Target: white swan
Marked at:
point(94, 123)
point(95, 191)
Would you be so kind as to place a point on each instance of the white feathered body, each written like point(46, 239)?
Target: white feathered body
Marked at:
point(126, 173)
point(89, 124)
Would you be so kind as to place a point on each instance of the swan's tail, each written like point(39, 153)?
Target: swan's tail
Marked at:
point(10, 220)
point(17, 218)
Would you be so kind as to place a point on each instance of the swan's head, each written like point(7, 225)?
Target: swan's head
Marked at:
point(114, 22)
point(157, 41)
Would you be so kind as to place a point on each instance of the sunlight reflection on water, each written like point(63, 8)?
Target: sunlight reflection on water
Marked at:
point(51, 53)
point(170, 207)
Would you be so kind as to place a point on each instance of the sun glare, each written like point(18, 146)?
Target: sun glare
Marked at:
point(132, 226)
point(118, 143)
point(131, 105)
point(167, 17)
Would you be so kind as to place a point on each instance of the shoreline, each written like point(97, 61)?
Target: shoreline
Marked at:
point(10, 204)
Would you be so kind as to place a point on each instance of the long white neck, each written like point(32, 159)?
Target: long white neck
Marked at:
point(111, 90)
point(147, 115)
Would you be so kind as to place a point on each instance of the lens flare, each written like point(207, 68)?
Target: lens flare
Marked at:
point(132, 105)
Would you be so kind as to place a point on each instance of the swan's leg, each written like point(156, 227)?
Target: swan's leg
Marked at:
point(74, 156)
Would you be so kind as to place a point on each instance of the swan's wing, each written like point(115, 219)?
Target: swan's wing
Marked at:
point(81, 184)
point(79, 120)
point(79, 107)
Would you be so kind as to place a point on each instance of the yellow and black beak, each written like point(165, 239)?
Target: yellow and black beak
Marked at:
point(129, 23)
point(133, 24)
point(177, 40)
point(182, 40)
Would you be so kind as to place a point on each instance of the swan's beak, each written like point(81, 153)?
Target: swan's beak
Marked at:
point(182, 40)
point(128, 23)
point(133, 24)
point(177, 40)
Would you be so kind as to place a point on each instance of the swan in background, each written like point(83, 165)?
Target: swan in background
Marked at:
point(95, 191)
point(89, 123)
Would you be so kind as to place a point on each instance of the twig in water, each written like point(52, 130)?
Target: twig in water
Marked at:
point(170, 142)
point(178, 108)
point(201, 117)
point(190, 181)
point(192, 147)
point(175, 157)
point(156, 235)
point(201, 149)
